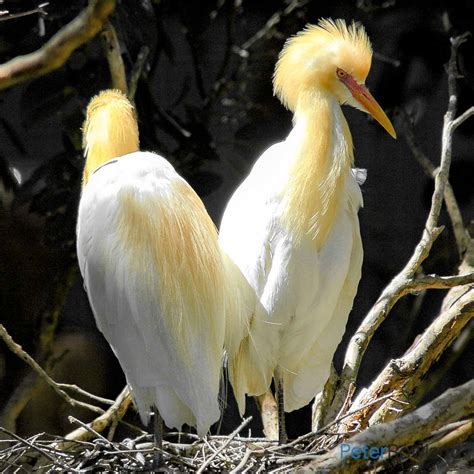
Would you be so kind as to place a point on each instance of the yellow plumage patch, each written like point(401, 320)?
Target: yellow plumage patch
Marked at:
point(317, 177)
point(110, 130)
point(175, 239)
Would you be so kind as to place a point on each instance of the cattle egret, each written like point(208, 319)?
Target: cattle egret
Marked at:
point(292, 225)
point(164, 295)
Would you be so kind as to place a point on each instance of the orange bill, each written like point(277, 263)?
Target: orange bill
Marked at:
point(369, 104)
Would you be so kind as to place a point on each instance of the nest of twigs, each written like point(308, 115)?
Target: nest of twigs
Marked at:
point(186, 452)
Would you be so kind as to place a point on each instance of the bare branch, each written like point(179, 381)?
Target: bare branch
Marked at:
point(224, 445)
point(137, 71)
point(115, 412)
point(462, 118)
point(114, 58)
point(18, 350)
point(460, 232)
point(271, 23)
point(398, 286)
point(5, 15)
point(403, 376)
point(38, 449)
point(438, 282)
point(53, 54)
point(454, 404)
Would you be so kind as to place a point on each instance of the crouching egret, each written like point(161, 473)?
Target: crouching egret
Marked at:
point(164, 295)
point(292, 225)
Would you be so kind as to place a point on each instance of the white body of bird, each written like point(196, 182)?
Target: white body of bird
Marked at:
point(162, 292)
point(292, 225)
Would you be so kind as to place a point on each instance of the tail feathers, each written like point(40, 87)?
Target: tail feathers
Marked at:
point(250, 340)
point(252, 365)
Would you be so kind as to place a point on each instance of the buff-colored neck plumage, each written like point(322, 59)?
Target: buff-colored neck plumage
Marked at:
point(318, 172)
point(110, 130)
point(305, 81)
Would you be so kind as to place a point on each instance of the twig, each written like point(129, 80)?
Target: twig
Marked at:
point(456, 351)
point(455, 436)
point(4, 16)
point(271, 23)
point(396, 288)
point(53, 54)
point(224, 445)
point(242, 462)
point(403, 376)
point(452, 405)
point(114, 58)
point(80, 391)
point(30, 384)
point(137, 71)
point(438, 282)
point(460, 233)
point(38, 449)
point(17, 350)
point(116, 411)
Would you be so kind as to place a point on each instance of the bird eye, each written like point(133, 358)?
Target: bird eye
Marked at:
point(341, 73)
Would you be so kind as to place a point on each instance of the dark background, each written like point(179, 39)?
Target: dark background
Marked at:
point(205, 102)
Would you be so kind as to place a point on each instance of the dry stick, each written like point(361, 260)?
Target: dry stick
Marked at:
point(93, 432)
point(38, 449)
point(271, 23)
point(406, 374)
point(116, 411)
point(224, 445)
point(54, 53)
point(31, 383)
point(452, 405)
point(242, 462)
point(114, 58)
point(396, 288)
point(4, 16)
point(81, 391)
point(324, 429)
point(18, 350)
point(137, 71)
point(456, 351)
point(460, 233)
point(454, 437)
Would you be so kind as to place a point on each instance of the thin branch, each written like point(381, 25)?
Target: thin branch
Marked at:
point(452, 405)
point(80, 391)
point(35, 447)
point(460, 233)
point(454, 437)
point(53, 54)
point(18, 350)
point(115, 412)
point(114, 58)
point(462, 118)
point(397, 287)
point(224, 445)
point(4, 16)
point(438, 282)
point(403, 376)
point(270, 24)
point(137, 71)
point(30, 384)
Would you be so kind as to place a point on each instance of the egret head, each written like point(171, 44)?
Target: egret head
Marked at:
point(330, 58)
point(109, 131)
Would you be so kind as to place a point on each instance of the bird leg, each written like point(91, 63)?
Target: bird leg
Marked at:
point(267, 405)
point(158, 439)
point(282, 436)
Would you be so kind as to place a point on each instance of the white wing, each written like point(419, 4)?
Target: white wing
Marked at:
point(149, 256)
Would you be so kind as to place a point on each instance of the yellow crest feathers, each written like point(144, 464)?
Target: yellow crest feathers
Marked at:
point(110, 130)
point(309, 59)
